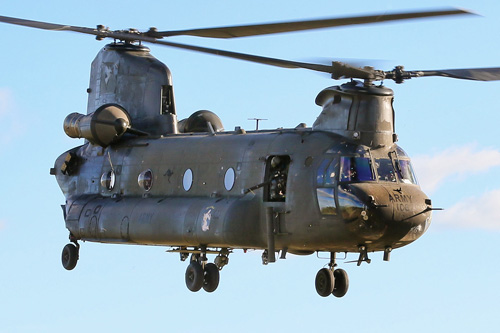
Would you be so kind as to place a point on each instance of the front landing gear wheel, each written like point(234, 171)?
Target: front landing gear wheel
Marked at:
point(69, 256)
point(194, 276)
point(341, 284)
point(211, 277)
point(324, 282)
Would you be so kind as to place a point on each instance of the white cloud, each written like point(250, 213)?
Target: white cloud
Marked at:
point(475, 212)
point(432, 170)
point(479, 212)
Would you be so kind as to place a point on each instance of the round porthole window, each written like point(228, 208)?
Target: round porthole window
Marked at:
point(187, 180)
point(145, 179)
point(229, 179)
point(108, 180)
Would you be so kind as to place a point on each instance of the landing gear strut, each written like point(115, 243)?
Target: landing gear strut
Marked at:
point(331, 281)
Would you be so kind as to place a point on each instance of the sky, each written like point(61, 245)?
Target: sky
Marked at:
point(445, 281)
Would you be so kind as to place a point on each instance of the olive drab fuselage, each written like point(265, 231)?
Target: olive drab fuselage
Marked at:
point(204, 190)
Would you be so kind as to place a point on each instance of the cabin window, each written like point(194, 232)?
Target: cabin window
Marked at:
point(187, 180)
point(229, 179)
point(405, 172)
point(108, 180)
point(145, 180)
point(356, 169)
point(385, 170)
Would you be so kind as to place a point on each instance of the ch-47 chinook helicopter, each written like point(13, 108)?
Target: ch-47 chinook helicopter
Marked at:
point(143, 177)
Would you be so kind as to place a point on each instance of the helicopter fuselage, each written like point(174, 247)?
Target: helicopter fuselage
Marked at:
point(143, 177)
point(301, 190)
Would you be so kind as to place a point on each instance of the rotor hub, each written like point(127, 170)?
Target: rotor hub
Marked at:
point(126, 46)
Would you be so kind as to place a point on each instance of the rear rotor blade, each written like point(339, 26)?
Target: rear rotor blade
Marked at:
point(45, 25)
point(133, 36)
point(100, 32)
point(272, 28)
point(236, 31)
point(337, 69)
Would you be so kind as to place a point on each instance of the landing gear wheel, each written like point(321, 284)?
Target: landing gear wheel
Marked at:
point(69, 256)
point(194, 276)
point(341, 284)
point(324, 282)
point(211, 278)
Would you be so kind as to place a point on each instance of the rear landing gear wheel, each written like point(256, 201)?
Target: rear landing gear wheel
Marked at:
point(341, 284)
point(69, 256)
point(194, 276)
point(324, 282)
point(211, 277)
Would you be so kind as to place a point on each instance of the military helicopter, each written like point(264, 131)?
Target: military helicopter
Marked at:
point(143, 177)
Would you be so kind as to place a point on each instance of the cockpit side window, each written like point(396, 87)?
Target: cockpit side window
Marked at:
point(320, 178)
point(385, 170)
point(326, 180)
point(405, 172)
point(355, 169)
point(327, 172)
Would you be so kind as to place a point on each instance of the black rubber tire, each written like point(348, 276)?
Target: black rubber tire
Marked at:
point(194, 276)
point(211, 278)
point(324, 282)
point(341, 284)
point(69, 256)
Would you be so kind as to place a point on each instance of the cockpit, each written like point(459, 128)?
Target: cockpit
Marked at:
point(341, 168)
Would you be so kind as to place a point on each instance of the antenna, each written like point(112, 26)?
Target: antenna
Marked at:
point(256, 122)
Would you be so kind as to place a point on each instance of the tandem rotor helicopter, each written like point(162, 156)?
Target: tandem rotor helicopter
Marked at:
point(143, 177)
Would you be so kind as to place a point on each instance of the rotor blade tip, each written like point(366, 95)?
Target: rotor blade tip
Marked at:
point(469, 12)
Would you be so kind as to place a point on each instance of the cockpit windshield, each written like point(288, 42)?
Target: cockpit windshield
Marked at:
point(355, 169)
point(385, 170)
point(405, 172)
point(361, 169)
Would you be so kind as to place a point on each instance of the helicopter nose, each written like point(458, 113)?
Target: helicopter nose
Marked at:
point(411, 213)
point(385, 214)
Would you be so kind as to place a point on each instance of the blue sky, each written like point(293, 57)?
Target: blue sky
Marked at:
point(445, 281)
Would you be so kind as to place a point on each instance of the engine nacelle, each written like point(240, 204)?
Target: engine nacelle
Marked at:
point(201, 121)
point(103, 127)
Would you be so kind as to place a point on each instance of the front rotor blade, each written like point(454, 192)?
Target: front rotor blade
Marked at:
point(337, 70)
point(243, 56)
point(272, 28)
point(476, 74)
